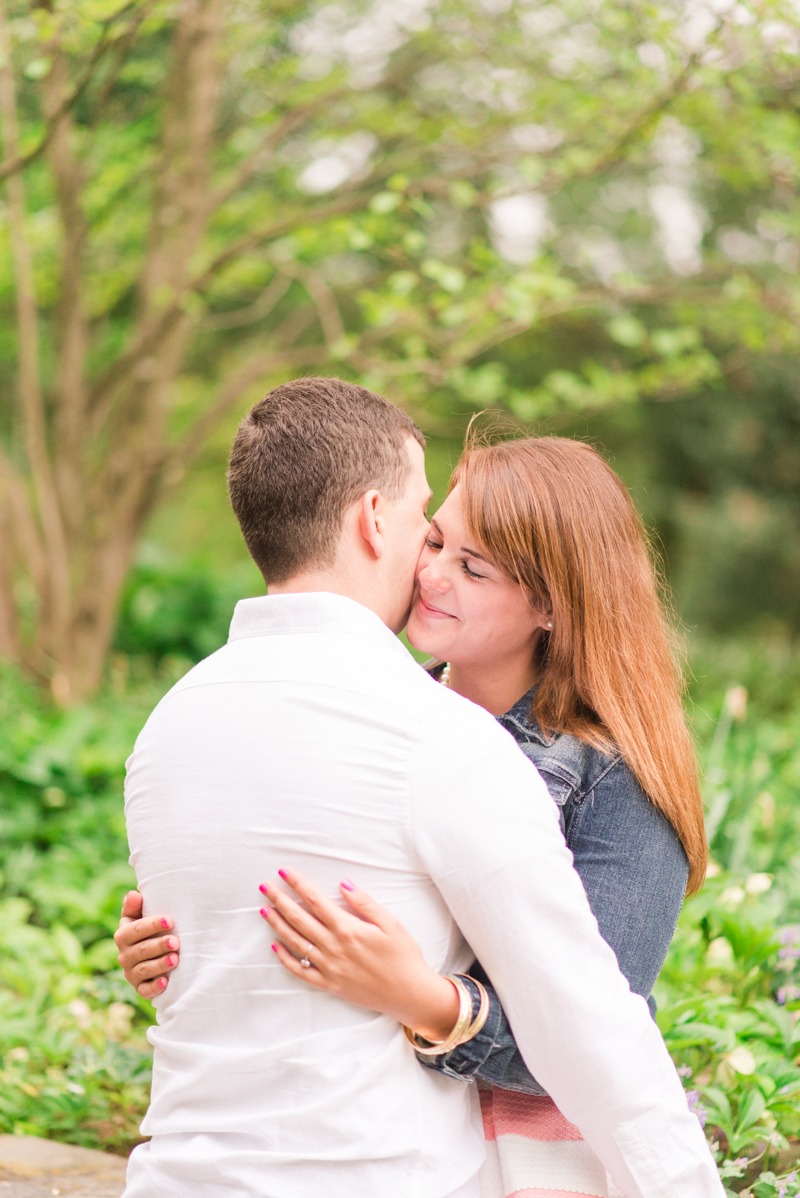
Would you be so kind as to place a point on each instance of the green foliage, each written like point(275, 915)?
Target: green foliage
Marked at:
point(360, 186)
point(717, 474)
point(728, 994)
point(74, 1062)
point(179, 610)
point(551, 211)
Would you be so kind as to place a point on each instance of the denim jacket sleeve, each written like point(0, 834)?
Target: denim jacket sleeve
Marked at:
point(634, 871)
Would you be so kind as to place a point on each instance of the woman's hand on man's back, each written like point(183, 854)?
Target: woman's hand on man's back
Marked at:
point(147, 950)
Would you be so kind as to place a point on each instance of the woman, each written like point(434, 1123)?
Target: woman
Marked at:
point(537, 598)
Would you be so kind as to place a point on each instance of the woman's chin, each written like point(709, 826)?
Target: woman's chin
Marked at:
point(422, 638)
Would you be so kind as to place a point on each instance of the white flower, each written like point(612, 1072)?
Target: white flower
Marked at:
point(742, 1060)
point(81, 1011)
point(732, 896)
point(719, 953)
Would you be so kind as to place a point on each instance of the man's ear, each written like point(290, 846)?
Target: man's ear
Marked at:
point(370, 522)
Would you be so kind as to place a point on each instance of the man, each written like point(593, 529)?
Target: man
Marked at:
point(312, 741)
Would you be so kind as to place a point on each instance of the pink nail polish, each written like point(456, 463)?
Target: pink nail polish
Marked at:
point(165, 923)
point(170, 942)
point(264, 912)
point(162, 983)
point(274, 947)
point(171, 961)
point(263, 888)
point(346, 884)
point(282, 873)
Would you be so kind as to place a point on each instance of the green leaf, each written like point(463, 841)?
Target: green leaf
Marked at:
point(751, 1108)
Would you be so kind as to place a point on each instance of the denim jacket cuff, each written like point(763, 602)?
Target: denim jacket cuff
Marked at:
point(465, 1061)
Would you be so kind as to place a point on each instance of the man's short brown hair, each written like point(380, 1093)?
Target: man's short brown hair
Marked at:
point(305, 453)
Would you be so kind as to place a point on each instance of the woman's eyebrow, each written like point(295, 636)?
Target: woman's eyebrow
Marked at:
point(464, 548)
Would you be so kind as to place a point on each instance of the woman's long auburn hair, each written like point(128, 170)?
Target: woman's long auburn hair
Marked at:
point(557, 519)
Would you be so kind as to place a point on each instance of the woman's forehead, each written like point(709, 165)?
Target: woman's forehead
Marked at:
point(450, 514)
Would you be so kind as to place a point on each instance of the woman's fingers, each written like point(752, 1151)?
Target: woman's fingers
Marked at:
point(152, 989)
point(300, 944)
point(147, 971)
point(148, 949)
point(366, 907)
point(132, 905)
point(327, 912)
point(306, 923)
point(307, 973)
point(132, 931)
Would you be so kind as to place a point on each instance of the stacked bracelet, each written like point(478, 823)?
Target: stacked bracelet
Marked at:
point(465, 1026)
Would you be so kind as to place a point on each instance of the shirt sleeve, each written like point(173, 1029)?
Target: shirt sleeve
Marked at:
point(487, 832)
point(634, 872)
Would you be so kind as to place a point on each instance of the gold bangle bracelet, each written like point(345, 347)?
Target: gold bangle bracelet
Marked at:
point(483, 1010)
point(466, 1028)
point(462, 1025)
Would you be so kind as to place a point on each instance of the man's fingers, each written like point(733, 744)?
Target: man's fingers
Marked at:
point(141, 929)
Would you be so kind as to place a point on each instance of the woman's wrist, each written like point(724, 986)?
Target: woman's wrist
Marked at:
point(436, 1008)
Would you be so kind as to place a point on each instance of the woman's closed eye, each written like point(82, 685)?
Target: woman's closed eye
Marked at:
point(429, 541)
point(469, 573)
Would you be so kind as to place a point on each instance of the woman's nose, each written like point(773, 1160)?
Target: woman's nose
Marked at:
point(433, 577)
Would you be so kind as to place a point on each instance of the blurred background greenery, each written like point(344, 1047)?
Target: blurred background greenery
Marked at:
point(581, 218)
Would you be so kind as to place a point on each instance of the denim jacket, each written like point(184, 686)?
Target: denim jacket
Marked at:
point(632, 866)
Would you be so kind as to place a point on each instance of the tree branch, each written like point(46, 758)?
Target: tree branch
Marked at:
point(273, 137)
point(32, 403)
point(347, 202)
point(149, 335)
point(231, 391)
point(73, 333)
point(182, 206)
point(18, 162)
point(28, 537)
point(10, 646)
point(262, 307)
point(323, 299)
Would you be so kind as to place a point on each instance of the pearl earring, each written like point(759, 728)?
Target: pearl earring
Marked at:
point(549, 624)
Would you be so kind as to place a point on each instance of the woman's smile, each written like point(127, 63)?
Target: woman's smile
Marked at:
point(432, 613)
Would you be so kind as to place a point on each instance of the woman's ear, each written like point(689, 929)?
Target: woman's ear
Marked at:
point(370, 522)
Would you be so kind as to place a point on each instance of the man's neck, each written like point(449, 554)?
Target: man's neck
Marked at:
point(331, 582)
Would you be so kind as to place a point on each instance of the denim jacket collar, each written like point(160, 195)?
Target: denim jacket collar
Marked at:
point(521, 724)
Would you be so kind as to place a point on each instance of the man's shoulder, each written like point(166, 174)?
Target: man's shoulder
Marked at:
point(455, 725)
point(436, 718)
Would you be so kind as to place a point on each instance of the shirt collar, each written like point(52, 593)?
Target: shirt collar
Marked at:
point(309, 611)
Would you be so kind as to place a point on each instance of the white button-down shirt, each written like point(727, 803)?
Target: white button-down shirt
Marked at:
point(313, 740)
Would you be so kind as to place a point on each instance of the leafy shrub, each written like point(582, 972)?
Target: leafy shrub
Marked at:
point(180, 610)
point(75, 1064)
point(75, 1061)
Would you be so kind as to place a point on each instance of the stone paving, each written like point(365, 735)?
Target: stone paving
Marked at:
point(35, 1168)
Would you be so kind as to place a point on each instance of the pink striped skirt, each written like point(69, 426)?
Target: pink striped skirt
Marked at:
point(533, 1152)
